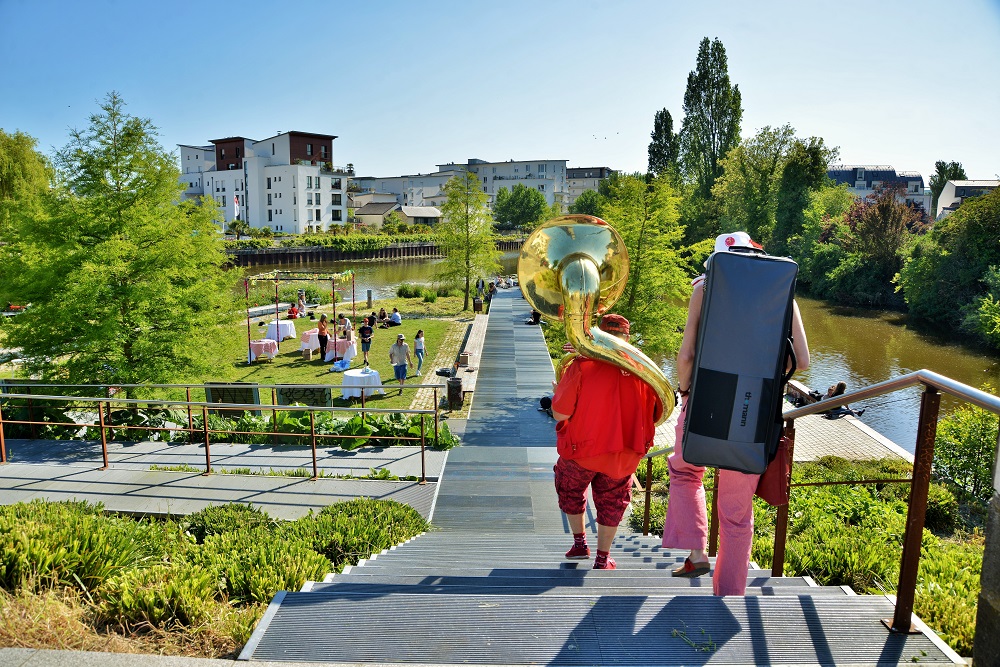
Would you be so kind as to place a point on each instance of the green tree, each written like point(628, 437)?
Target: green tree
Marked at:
point(665, 147)
point(238, 228)
point(803, 173)
point(647, 217)
point(123, 280)
point(712, 114)
point(520, 208)
point(818, 247)
point(943, 172)
point(946, 270)
point(877, 230)
point(465, 234)
point(25, 176)
point(965, 447)
point(588, 203)
point(747, 190)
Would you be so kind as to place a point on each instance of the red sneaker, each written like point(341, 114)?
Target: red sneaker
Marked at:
point(578, 553)
point(608, 564)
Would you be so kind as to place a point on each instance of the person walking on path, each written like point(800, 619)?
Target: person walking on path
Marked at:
point(365, 333)
point(323, 335)
point(604, 427)
point(419, 349)
point(685, 525)
point(399, 357)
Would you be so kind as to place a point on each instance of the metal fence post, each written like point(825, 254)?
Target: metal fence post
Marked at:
point(922, 460)
point(104, 437)
point(713, 528)
point(190, 418)
point(204, 427)
point(423, 450)
point(3, 444)
point(649, 496)
point(781, 521)
point(312, 435)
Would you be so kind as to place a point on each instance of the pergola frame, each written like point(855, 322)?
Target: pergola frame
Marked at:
point(288, 276)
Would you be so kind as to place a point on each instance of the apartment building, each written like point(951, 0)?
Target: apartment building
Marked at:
point(547, 176)
point(862, 180)
point(956, 192)
point(581, 179)
point(286, 183)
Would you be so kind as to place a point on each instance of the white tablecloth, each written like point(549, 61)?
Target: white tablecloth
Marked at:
point(280, 330)
point(346, 349)
point(263, 345)
point(356, 378)
point(310, 340)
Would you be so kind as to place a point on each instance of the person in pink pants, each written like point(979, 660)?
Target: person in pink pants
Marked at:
point(686, 523)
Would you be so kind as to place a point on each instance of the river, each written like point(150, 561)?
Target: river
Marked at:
point(860, 347)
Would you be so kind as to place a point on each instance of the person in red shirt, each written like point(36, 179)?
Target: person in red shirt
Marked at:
point(605, 425)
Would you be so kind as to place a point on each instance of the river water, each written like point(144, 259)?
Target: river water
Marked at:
point(860, 347)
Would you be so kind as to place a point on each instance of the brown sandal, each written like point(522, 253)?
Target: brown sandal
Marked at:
point(691, 570)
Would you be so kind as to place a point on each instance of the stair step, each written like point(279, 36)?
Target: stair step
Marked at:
point(586, 578)
point(485, 585)
point(588, 629)
point(566, 568)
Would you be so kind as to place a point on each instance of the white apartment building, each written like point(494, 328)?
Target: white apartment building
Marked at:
point(547, 176)
point(955, 193)
point(286, 183)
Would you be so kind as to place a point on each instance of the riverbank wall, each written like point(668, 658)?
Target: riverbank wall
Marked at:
point(313, 254)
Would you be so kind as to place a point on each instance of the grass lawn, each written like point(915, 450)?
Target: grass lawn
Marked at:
point(228, 347)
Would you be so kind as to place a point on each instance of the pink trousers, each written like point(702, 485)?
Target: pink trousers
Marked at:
point(686, 522)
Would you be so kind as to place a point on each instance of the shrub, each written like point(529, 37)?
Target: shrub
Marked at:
point(160, 596)
point(219, 519)
point(942, 510)
point(965, 447)
point(255, 563)
point(430, 296)
point(408, 291)
point(947, 590)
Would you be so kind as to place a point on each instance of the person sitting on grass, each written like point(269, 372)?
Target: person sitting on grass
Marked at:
point(395, 319)
point(399, 357)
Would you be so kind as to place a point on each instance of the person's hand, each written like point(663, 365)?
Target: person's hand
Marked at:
point(554, 385)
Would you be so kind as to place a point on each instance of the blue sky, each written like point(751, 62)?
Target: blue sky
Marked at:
point(408, 85)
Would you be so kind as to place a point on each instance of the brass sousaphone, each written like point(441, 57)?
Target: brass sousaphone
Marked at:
point(572, 268)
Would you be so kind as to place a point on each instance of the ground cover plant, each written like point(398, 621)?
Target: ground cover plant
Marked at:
point(75, 577)
point(852, 535)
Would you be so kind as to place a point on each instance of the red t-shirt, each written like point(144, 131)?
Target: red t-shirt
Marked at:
point(610, 426)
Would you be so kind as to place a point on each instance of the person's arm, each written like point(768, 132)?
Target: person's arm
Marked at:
point(685, 357)
point(799, 343)
point(566, 394)
point(408, 360)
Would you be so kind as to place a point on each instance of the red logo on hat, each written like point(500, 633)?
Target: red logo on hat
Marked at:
point(730, 241)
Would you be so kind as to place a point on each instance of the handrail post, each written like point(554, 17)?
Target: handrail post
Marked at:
point(923, 458)
point(312, 436)
point(781, 521)
point(649, 496)
point(713, 528)
point(423, 453)
point(190, 418)
point(31, 414)
point(104, 437)
point(204, 428)
point(437, 442)
point(274, 391)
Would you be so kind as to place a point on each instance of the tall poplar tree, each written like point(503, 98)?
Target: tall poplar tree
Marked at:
point(465, 234)
point(124, 282)
point(712, 114)
point(665, 147)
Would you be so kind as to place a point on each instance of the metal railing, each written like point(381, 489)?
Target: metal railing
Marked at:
point(33, 401)
point(934, 385)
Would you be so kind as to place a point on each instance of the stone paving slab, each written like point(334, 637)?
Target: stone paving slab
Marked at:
point(400, 461)
point(172, 493)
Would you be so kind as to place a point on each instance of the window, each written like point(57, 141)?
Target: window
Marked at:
point(310, 214)
point(318, 182)
point(223, 152)
point(309, 198)
point(542, 187)
point(541, 168)
point(336, 214)
point(268, 198)
point(860, 175)
point(237, 151)
point(223, 186)
point(317, 199)
point(269, 218)
point(223, 201)
point(319, 215)
point(322, 150)
point(494, 170)
point(268, 182)
point(309, 181)
point(334, 183)
point(272, 148)
point(309, 149)
point(336, 200)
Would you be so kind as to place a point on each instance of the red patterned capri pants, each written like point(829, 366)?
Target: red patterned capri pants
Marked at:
point(611, 496)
